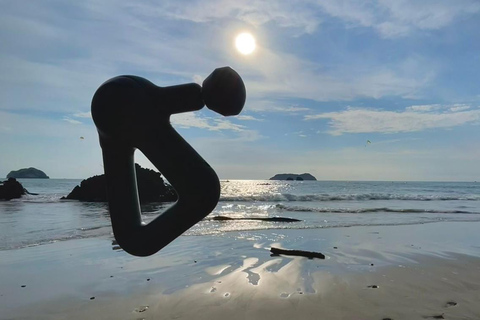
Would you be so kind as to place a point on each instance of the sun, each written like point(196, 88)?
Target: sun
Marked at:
point(245, 43)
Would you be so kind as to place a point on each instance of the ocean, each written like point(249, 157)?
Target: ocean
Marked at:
point(246, 205)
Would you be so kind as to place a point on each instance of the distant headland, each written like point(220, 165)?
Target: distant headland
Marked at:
point(293, 176)
point(27, 173)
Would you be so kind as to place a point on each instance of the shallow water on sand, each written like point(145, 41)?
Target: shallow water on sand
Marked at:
point(371, 272)
point(246, 205)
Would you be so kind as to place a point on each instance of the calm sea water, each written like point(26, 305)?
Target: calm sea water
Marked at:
point(43, 219)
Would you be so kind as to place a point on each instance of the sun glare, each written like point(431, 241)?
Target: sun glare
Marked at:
point(245, 43)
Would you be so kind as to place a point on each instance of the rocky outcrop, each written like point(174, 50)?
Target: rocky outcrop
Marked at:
point(11, 189)
point(27, 173)
point(151, 188)
point(293, 176)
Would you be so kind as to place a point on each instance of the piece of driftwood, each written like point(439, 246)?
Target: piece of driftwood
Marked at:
point(271, 219)
point(308, 254)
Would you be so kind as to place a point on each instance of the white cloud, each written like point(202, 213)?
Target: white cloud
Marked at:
point(138, 45)
point(191, 120)
point(390, 18)
point(247, 118)
point(391, 141)
point(355, 120)
point(72, 121)
point(273, 106)
point(395, 18)
point(83, 114)
point(459, 107)
point(291, 14)
point(270, 72)
point(424, 108)
point(285, 76)
point(432, 107)
point(222, 124)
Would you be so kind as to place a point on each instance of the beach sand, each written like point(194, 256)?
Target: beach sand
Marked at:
point(429, 271)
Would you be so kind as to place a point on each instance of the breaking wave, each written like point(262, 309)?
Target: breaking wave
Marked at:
point(368, 210)
point(347, 197)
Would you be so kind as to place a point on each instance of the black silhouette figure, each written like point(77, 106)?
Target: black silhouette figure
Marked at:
point(131, 112)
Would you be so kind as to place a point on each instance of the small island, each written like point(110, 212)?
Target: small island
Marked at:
point(293, 177)
point(27, 173)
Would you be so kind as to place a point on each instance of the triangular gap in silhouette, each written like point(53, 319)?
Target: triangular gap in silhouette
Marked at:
point(151, 209)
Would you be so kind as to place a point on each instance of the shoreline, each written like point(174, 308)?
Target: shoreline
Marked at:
point(417, 269)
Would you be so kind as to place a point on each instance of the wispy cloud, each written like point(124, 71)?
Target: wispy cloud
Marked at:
point(72, 121)
point(247, 118)
point(301, 134)
point(356, 120)
point(140, 25)
point(285, 76)
point(459, 107)
point(398, 18)
point(192, 120)
point(275, 106)
point(391, 141)
point(390, 18)
point(83, 115)
point(310, 54)
point(292, 14)
point(424, 108)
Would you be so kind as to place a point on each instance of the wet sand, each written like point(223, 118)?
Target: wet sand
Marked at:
point(429, 271)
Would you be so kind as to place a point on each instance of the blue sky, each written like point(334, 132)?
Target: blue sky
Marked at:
point(326, 76)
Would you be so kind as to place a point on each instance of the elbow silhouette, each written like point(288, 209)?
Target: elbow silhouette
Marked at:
point(132, 113)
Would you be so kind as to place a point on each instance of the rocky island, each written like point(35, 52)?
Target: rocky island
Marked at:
point(11, 189)
point(151, 188)
point(293, 177)
point(27, 173)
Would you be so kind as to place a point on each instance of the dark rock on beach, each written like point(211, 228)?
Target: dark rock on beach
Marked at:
point(11, 189)
point(451, 304)
point(28, 173)
point(293, 176)
point(151, 188)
